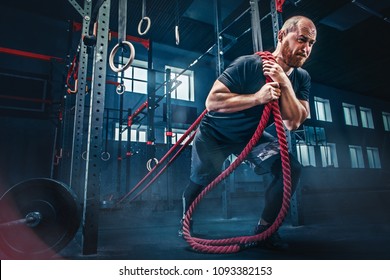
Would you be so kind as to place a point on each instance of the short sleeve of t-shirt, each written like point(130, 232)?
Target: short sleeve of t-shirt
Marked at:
point(301, 81)
point(244, 75)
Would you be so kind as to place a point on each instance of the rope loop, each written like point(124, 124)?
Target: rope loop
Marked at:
point(115, 50)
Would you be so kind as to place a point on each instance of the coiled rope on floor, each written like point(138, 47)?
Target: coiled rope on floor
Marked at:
point(235, 244)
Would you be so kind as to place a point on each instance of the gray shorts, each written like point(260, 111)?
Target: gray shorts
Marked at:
point(208, 155)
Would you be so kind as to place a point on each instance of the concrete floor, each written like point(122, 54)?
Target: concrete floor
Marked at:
point(145, 232)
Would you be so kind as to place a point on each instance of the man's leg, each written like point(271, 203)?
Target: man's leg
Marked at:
point(190, 193)
point(274, 191)
point(206, 164)
point(266, 158)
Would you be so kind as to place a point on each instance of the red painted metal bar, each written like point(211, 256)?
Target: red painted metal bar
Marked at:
point(34, 100)
point(29, 54)
point(145, 43)
point(136, 113)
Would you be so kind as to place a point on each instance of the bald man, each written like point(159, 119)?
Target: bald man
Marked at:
point(235, 104)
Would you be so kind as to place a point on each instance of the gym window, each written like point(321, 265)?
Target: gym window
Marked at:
point(137, 134)
point(329, 155)
point(314, 135)
point(350, 114)
point(322, 107)
point(135, 78)
point(306, 154)
point(366, 116)
point(183, 88)
point(386, 120)
point(373, 157)
point(356, 155)
point(176, 135)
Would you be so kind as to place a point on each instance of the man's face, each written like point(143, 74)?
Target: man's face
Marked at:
point(297, 45)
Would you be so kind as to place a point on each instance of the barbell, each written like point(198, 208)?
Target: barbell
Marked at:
point(38, 218)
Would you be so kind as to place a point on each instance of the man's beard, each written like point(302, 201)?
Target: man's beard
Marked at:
point(292, 59)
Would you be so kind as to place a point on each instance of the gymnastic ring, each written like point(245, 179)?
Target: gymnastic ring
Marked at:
point(177, 35)
point(120, 89)
point(84, 155)
point(113, 53)
point(105, 156)
point(149, 163)
point(147, 26)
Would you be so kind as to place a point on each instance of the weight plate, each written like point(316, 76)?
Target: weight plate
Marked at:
point(59, 212)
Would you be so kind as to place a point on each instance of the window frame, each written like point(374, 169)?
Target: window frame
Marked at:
point(187, 74)
point(138, 134)
point(352, 119)
point(329, 155)
point(356, 152)
point(132, 82)
point(308, 157)
point(176, 134)
point(324, 112)
point(386, 120)
point(373, 158)
point(366, 117)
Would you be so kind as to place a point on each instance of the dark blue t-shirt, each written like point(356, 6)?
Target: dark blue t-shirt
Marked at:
point(245, 76)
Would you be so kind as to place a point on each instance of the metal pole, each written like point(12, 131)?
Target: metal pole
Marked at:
point(169, 128)
point(95, 134)
point(169, 109)
point(119, 147)
point(151, 106)
point(76, 177)
point(256, 28)
point(128, 153)
point(276, 21)
point(219, 40)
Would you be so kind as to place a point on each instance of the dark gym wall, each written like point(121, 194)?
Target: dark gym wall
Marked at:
point(27, 136)
point(343, 135)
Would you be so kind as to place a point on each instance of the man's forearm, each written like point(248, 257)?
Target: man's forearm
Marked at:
point(293, 111)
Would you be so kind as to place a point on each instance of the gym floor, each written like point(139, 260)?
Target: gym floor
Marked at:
point(146, 232)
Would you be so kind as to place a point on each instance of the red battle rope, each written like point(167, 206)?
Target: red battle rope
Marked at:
point(235, 244)
point(164, 158)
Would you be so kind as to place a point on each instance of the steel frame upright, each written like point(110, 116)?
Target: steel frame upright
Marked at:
point(95, 134)
point(168, 133)
point(256, 27)
point(76, 177)
point(220, 65)
point(151, 96)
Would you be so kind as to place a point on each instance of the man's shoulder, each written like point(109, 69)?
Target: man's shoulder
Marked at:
point(249, 58)
point(302, 72)
point(302, 75)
